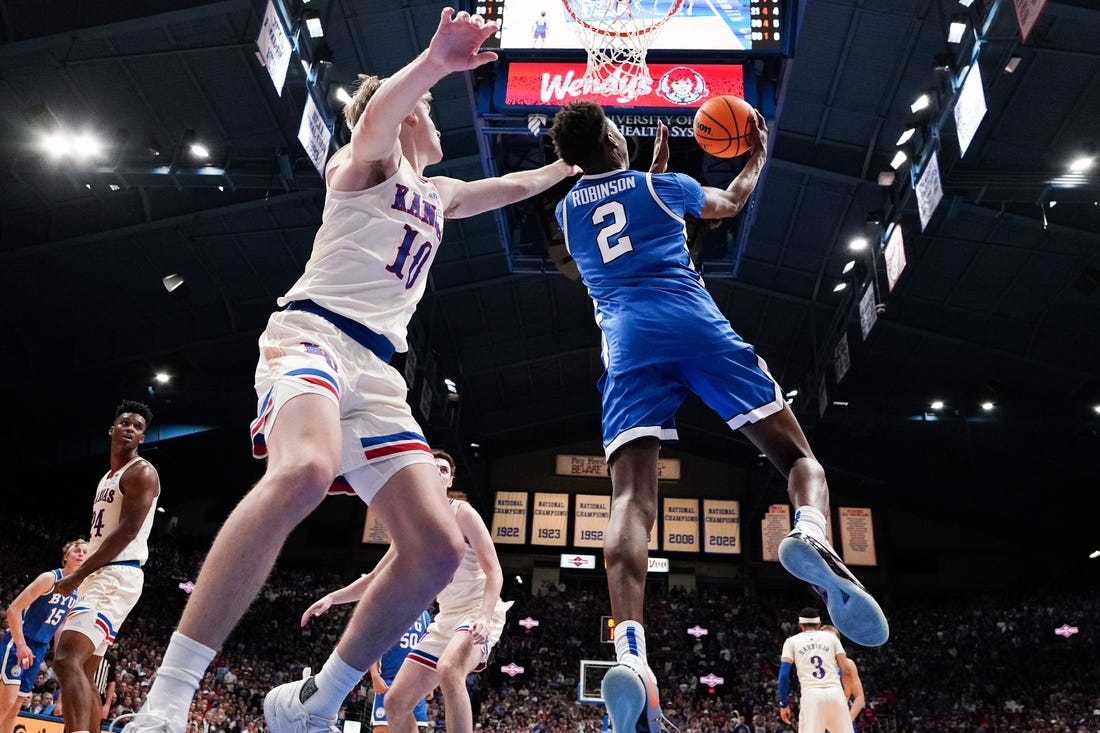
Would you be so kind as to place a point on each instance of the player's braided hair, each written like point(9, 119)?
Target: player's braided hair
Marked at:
point(138, 408)
point(578, 133)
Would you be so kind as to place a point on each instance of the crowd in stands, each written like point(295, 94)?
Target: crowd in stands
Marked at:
point(979, 664)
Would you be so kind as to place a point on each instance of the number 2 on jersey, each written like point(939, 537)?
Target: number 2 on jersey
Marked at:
point(611, 249)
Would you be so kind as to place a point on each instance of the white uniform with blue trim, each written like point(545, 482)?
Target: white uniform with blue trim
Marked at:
point(663, 335)
point(347, 314)
point(822, 704)
point(107, 596)
point(459, 606)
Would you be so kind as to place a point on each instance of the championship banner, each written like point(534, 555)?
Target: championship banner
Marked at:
point(314, 135)
point(722, 526)
point(775, 525)
point(857, 536)
point(373, 531)
point(681, 525)
point(550, 519)
point(668, 469)
point(590, 516)
point(274, 47)
point(510, 518)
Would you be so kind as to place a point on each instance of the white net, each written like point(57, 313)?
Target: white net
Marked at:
point(617, 34)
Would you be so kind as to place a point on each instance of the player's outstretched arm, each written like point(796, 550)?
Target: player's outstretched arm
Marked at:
point(469, 198)
point(454, 47)
point(350, 593)
point(724, 203)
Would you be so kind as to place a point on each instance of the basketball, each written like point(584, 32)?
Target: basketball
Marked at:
point(723, 126)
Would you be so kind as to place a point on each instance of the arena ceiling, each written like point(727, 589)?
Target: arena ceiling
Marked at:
point(999, 300)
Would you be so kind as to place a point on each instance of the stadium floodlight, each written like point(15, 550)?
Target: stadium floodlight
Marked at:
point(956, 30)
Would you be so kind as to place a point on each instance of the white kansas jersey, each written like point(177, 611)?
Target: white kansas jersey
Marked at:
point(814, 654)
point(372, 253)
point(467, 587)
point(106, 512)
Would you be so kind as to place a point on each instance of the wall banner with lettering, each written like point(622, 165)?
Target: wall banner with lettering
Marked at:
point(775, 525)
point(510, 518)
point(857, 536)
point(681, 526)
point(721, 526)
point(550, 519)
point(373, 531)
point(590, 515)
point(668, 469)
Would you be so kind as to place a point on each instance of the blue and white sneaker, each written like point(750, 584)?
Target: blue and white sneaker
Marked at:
point(629, 691)
point(852, 609)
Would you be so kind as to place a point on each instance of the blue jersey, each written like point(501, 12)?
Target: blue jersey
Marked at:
point(395, 655)
point(625, 230)
point(45, 614)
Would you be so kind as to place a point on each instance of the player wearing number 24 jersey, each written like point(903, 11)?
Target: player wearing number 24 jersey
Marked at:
point(110, 579)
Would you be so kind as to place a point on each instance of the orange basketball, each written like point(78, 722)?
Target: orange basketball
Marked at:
point(723, 126)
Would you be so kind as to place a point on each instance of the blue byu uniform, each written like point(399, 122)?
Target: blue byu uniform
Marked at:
point(40, 623)
point(391, 662)
point(663, 335)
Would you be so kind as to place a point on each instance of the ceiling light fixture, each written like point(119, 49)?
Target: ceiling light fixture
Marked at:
point(1082, 163)
point(988, 406)
point(313, 23)
point(921, 102)
point(162, 377)
point(906, 136)
point(955, 31)
point(1094, 554)
point(839, 286)
point(937, 405)
point(342, 96)
point(899, 159)
point(172, 282)
point(1013, 62)
point(848, 267)
point(858, 244)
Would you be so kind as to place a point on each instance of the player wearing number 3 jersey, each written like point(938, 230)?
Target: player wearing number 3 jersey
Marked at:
point(815, 654)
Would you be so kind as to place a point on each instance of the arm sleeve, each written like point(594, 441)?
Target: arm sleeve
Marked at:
point(784, 682)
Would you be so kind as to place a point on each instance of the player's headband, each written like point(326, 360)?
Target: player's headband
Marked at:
point(809, 620)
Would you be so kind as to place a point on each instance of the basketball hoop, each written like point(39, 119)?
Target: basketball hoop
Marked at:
point(617, 34)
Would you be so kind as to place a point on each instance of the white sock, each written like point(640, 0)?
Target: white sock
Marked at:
point(630, 642)
point(810, 521)
point(335, 680)
point(179, 675)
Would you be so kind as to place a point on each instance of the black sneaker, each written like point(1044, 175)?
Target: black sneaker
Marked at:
point(852, 609)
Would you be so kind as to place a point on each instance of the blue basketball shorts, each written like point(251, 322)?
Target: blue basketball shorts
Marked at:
point(642, 401)
point(12, 672)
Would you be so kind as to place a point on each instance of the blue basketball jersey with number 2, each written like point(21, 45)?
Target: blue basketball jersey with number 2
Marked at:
point(626, 232)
